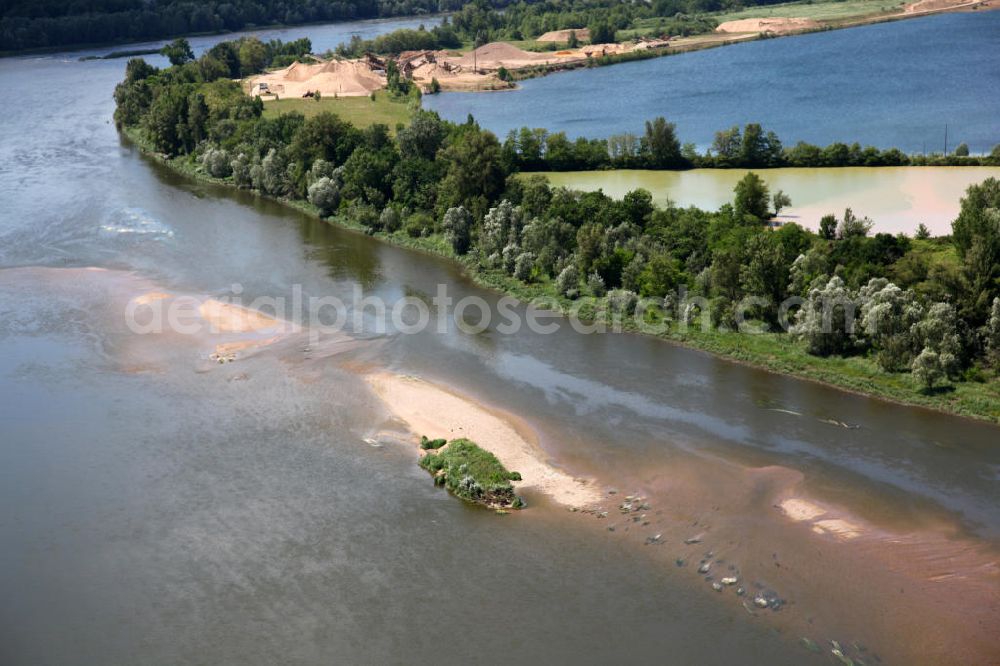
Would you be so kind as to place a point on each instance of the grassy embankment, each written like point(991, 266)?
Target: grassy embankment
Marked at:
point(978, 397)
point(359, 111)
point(831, 10)
point(471, 473)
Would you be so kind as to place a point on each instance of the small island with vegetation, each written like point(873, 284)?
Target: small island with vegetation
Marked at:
point(470, 472)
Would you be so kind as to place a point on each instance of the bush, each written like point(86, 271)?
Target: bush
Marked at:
point(325, 195)
point(390, 220)
point(419, 224)
point(472, 473)
point(524, 266)
point(927, 369)
point(240, 168)
point(217, 163)
point(622, 301)
point(457, 225)
point(364, 215)
point(274, 174)
point(568, 281)
point(431, 443)
point(595, 284)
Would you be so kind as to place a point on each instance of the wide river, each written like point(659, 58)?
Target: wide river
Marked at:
point(160, 509)
point(887, 85)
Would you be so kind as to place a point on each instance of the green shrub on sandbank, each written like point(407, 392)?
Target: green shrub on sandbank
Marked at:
point(431, 443)
point(472, 473)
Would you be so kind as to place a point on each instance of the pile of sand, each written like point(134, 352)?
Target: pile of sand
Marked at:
point(776, 25)
point(598, 50)
point(456, 78)
point(344, 78)
point(583, 34)
point(501, 54)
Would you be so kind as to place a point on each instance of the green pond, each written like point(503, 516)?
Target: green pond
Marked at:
point(896, 198)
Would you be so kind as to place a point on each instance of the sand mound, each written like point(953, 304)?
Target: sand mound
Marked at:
point(500, 54)
point(583, 34)
point(345, 78)
point(768, 25)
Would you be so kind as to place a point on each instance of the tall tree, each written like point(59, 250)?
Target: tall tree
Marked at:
point(751, 202)
point(178, 51)
point(662, 143)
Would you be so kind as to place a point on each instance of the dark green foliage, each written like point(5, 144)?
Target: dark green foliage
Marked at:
point(752, 199)
point(28, 24)
point(601, 32)
point(178, 51)
point(453, 187)
point(976, 235)
point(472, 473)
point(431, 443)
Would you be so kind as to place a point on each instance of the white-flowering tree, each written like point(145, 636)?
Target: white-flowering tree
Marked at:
point(927, 368)
point(390, 220)
point(457, 225)
point(524, 266)
point(888, 316)
point(241, 170)
point(274, 173)
point(325, 195)
point(806, 271)
point(568, 280)
point(321, 169)
point(938, 332)
point(595, 284)
point(217, 162)
point(622, 301)
point(993, 331)
point(826, 321)
point(501, 230)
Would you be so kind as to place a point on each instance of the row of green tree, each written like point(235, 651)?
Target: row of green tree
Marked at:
point(927, 305)
point(660, 148)
point(34, 24)
point(479, 22)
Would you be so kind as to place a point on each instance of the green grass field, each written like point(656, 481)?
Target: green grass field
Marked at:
point(359, 111)
point(830, 10)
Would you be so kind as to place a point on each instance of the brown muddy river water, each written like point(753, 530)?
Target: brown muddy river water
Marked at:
point(160, 507)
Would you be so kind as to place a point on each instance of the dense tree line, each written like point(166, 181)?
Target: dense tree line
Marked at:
point(930, 306)
point(660, 148)
point(32, 24)
point(479, 22)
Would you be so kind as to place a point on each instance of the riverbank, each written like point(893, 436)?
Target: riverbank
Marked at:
point(977, 397)
point(728, 33)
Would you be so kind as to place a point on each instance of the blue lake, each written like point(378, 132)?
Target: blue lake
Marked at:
point(889, 85)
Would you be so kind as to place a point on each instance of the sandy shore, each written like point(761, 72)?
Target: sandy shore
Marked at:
point(428, 409)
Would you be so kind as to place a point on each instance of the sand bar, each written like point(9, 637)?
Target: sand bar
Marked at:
point(428, 409)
